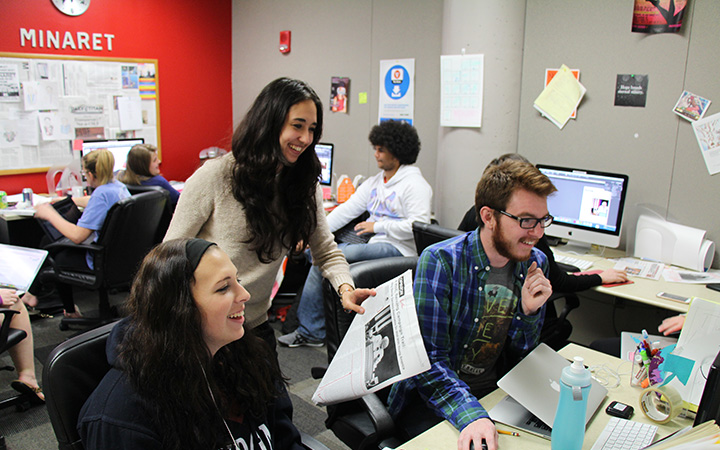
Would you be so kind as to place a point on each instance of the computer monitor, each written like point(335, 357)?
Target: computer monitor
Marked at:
point(118, 147)
point(709, 407)
point(324, 153)
point(587, 207)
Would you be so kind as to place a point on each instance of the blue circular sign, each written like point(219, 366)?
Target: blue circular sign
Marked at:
point(397, 82)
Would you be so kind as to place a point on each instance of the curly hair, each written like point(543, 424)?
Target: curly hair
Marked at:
point(164, 353)
point(256, 182)
point(399, 138)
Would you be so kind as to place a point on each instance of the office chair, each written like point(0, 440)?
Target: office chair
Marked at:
point(10, 337)
point(127, 235)
point(71, 373)
point(427, 234)
point(556, 329)
point(167, 212)
point(364, 423)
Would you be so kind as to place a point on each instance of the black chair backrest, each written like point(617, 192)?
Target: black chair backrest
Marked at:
point(366, 274)
point(167, 213)
point(71, 373)
point(427, 234)
point(128, 234)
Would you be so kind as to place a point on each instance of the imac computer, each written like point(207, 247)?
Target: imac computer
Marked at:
point(118, 147)
point(587, 207)
point(324, 153)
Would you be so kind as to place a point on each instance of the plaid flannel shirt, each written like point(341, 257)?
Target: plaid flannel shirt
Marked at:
point(450, 300)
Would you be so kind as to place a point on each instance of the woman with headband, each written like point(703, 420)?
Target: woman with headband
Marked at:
point(186, 373)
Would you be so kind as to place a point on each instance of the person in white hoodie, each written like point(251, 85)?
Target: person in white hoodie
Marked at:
point(394, 198)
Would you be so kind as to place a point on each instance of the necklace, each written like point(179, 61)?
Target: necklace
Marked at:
point(207, 383)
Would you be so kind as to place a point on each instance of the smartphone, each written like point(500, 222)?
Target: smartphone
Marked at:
point(618, 409)
point(675, 297)
point(713, 286)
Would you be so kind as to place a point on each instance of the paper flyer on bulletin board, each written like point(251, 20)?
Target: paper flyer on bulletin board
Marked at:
point(397, 90)
point(707, 131)
point(461, 91)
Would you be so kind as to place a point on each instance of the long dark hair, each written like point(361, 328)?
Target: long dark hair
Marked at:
point(256, 182)
point(164, 355)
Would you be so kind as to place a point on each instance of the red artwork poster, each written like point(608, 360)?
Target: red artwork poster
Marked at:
point(658, 16)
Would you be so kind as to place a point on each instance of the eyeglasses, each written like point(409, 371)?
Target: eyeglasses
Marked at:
point(528, 223)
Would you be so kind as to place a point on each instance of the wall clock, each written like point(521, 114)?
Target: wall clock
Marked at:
point(72, 7)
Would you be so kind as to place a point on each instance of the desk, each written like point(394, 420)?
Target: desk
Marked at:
point(444, 435)
point(644, 290)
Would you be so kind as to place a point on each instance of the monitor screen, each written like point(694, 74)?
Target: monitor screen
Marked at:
point(324, 153)
point(588, 205)
point(118, 147)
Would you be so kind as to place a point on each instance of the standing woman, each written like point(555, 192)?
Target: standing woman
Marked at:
point(98, 170)
point(262, 201)
point(186, 373)
point(142, 168)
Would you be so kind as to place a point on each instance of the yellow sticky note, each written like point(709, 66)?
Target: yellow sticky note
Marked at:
point(362, 98)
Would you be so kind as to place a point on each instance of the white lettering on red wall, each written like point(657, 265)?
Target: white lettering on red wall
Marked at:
point(66, 40)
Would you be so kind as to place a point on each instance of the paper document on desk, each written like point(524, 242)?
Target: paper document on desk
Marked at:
point(690, 276)
point(381, 347)
point(638, 268)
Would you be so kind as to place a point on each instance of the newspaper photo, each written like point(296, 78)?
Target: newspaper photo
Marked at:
point(381, 347)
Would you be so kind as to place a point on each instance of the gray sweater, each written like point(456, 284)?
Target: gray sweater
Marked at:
point(208, 210)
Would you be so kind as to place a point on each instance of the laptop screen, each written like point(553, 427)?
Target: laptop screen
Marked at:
point(19, 266)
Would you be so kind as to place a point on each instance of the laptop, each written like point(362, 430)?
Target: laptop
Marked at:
point(533, 386)
point(66, 208)
point(19, 266)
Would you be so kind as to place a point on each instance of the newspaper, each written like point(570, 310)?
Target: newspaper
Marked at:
point(640, 268)
point(381, 347)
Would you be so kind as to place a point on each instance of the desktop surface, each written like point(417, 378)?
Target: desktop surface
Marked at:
point(444, 435)
point(644, 290)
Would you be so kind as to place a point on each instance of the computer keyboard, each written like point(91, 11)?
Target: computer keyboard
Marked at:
point(582, 264)
point(623, 434)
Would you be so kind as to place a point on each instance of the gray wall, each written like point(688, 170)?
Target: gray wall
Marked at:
point(655, 147)
point(342, 38)
point(519, 39)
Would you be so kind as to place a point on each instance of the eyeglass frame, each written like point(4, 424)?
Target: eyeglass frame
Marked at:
point(541, 221)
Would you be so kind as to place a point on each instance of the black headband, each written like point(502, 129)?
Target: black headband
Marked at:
point(195, 249)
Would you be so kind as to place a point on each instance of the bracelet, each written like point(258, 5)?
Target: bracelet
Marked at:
point(341, 291)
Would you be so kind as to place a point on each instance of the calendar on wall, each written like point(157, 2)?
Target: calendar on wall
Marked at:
point(48, 101)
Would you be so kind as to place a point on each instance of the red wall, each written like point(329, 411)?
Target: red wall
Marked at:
point(191, 41)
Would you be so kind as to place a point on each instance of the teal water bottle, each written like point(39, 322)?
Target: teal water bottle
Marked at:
point(568, 428)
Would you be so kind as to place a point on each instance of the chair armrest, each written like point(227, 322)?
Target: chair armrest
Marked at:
point(65, 243)
point(5, 327)
point(379, 415)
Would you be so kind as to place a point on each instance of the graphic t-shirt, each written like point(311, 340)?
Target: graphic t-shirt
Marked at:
point(478, 366)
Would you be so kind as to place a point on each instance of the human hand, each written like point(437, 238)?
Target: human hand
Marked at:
point(671, 325)
point(476, 432)
point(44, 211)
point(351, 300)
point(612, 276)
point(9, 297)
point(365, 227)
point(536, 289)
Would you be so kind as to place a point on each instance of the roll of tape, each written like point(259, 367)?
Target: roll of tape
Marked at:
point(661, 404)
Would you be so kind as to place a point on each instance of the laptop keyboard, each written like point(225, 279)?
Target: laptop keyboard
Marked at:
point(582, 264)
point(623, 434)
point(349, 236)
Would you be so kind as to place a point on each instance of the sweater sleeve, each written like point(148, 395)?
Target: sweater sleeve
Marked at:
point(325, 252)
point(194, 207)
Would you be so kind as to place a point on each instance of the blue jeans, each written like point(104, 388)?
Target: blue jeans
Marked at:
point(311, 314)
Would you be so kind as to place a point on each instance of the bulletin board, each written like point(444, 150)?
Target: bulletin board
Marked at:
point(48, 101)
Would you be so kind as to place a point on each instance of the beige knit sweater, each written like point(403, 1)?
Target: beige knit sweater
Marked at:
point(208, 210)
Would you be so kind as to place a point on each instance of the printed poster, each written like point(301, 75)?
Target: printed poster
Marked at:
point(691, 107)
point(462, 90)
point(397, 90)
point(339, 89)
point(707, 133)
point(658, 16)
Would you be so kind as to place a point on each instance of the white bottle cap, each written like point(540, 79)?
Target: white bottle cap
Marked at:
point(577, 365)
